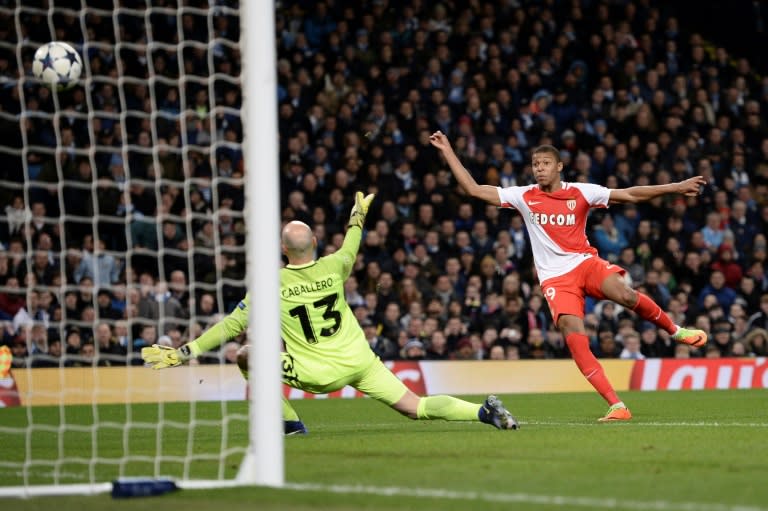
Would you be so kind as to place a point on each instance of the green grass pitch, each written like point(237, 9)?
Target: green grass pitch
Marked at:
point(692, 451)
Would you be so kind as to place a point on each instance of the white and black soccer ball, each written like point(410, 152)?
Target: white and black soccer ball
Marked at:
point(58, 65)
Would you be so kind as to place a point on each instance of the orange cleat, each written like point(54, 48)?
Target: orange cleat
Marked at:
point(616, 413)
point(695, 338)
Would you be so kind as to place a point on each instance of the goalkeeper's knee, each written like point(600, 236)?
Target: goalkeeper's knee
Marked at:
point(242, 360)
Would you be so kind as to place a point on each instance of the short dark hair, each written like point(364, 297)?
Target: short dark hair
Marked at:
point(546, 148)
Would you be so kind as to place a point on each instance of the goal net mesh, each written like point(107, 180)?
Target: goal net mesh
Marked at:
point(122, 225)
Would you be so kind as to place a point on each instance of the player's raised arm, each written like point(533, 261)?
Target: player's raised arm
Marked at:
point(351, 245)
point(690, 187)
point(489, 194)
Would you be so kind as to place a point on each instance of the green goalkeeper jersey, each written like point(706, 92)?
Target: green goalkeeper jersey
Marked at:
point(319, 329)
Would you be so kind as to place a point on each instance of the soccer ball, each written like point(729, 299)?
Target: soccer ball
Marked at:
point(57, 64)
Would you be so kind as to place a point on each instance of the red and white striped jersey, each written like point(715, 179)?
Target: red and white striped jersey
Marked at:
point(556, 223)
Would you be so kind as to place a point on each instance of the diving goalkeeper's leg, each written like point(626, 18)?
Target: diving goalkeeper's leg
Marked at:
point(292, 424)
point(450, 408)
point(381, 384)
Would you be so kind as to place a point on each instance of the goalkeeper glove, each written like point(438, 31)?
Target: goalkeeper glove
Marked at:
point(159, 357)
point(360, 209)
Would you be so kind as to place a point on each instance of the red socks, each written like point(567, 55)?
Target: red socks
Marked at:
point(588, 364)
point(590, 367)
point(648, 310)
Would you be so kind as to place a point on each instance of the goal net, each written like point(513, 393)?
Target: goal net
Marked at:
point(123, 224)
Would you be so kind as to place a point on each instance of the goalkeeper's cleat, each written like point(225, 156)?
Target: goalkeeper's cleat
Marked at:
point(692, 337)
point(617, 412)
point(294, 428)
point(493, 412)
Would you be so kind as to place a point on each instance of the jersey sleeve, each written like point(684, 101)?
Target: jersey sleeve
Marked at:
point(510, 197)
point(347, 254)
point(231, 326)
point(596, 196)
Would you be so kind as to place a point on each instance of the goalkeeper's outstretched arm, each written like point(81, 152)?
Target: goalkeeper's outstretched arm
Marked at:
point(160, 357)
point(351, 245)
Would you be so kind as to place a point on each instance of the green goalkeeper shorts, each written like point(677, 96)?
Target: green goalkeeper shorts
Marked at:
point(374, 380)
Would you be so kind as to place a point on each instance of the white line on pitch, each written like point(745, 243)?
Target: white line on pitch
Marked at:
point(700, 424)
point(525, 498)
point(527, 423)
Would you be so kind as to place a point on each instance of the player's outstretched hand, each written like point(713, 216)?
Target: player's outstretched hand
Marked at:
point(440, 141)
point(692, 187)
point(360, 209)
point(159, 357)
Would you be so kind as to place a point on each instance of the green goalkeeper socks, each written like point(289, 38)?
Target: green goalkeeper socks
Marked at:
point(289, 414)
point(447, 408)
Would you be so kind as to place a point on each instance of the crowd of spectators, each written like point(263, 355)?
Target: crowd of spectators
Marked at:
point(125, 227)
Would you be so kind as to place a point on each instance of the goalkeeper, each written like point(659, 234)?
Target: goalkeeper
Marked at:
point(325, 346)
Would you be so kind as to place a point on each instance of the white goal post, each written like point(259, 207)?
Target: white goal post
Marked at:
point(263, 463)
point(150, 124)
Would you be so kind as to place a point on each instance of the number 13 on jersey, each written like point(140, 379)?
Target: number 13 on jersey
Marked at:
point(308, 317)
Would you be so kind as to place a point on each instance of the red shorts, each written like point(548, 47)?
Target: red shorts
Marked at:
point(565, 294)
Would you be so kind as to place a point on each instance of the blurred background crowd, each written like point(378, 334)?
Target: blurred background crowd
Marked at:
point(122, 200)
